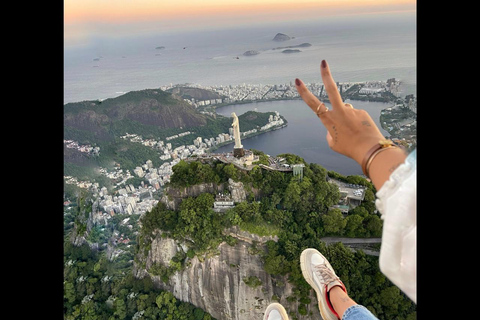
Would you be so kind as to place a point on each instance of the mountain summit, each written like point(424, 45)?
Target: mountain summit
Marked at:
point(150, 107)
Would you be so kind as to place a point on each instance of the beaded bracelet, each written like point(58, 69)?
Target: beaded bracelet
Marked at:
point(373, 152)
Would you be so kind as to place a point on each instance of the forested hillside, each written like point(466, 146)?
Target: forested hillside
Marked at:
point(296, 211)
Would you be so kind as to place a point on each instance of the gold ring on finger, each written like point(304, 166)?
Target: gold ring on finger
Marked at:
point(319, 112)
point(348, 105)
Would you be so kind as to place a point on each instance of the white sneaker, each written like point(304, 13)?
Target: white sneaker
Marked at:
point(275, 311)
point(318, 272)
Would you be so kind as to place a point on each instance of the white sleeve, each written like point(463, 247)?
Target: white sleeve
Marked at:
point(397, 202)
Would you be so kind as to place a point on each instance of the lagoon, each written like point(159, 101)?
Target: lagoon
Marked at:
point(304, 135)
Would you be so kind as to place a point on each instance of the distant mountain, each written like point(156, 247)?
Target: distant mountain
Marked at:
point(303, 45)
point(291, 51)
point(251, 53)
point(152, 114)
point(145, 109)
point(281, 37)
point(194, 93)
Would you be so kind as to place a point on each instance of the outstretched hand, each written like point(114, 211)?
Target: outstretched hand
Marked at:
point(351, 132)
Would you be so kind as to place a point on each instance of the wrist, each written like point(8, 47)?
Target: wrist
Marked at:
point(363, 148)
point(384, 164)
point(379, 147)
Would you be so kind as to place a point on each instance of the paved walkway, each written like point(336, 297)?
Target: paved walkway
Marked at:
point(352, 241)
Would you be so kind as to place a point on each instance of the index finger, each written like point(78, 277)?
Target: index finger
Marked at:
point(331, 87)
point(308, 97)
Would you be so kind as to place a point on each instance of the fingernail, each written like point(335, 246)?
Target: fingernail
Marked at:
point(324, 64)
point(297, 81)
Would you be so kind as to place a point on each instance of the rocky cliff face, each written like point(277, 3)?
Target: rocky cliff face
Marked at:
point(217, 283)
point(237, 191)
point(173, 196)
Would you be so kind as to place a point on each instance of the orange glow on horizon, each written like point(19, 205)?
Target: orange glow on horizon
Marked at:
point(116, 11)
point(84, 18)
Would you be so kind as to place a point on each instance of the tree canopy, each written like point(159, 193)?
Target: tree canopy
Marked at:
point(298, 211)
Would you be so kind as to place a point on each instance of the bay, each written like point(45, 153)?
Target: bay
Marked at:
point(305, 135)
point(357, 48)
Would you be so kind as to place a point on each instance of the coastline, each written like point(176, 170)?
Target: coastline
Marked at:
point(223, 95)
point(398, 120)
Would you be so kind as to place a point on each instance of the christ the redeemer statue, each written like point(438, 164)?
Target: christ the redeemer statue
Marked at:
point(238, 148)
point(236, 131)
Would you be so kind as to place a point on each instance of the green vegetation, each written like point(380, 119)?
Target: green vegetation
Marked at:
point(281, 200)
point(252, 281)
point(94, 288)
point(98, 287)
point(102, 124)
point(195, 222)
point(298, 213)
point(296, 210)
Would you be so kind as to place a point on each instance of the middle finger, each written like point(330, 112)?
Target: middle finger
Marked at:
point(331, 87)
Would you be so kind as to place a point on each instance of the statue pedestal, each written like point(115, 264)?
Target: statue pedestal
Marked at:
point(238, 152)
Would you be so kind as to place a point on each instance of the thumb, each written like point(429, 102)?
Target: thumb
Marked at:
point(329, 139)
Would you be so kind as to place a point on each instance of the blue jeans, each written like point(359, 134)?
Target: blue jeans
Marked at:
point(358, 312)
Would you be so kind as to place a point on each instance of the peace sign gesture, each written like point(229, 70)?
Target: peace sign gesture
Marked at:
point(351, 132)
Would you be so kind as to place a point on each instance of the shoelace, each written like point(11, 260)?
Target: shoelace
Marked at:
point(325, 274)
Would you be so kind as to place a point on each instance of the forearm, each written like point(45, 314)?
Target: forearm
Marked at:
point(384, 164)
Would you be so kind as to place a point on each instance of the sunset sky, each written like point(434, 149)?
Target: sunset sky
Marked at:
point(87, 18)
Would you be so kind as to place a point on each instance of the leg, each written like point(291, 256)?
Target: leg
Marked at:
point(340, 300)
point(332, 296)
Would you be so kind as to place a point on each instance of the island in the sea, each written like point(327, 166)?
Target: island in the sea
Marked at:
point(251, 53)
point(291, 51)
point(281, 37)
point(302, 45)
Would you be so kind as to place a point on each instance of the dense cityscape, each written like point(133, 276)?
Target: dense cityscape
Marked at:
point(261, 92)
point(127, 199)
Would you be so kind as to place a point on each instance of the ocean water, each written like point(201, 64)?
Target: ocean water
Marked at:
point(357, 48)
